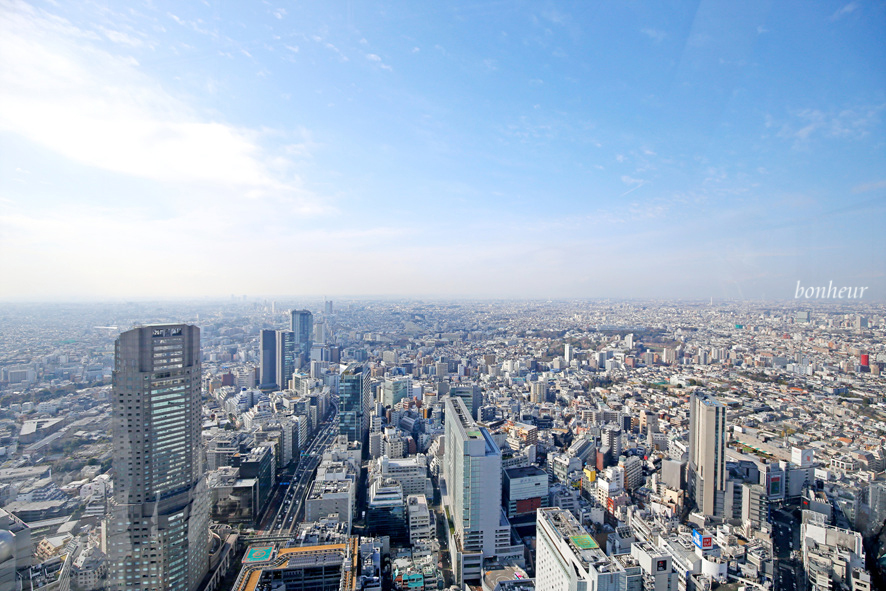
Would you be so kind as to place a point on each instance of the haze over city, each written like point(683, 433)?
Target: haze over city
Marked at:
point(491, 149)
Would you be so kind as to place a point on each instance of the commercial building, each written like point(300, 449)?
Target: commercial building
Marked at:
point(411, 473)
point(268, 361)
point(524, 490)
point(159, 526)
point(303, 568)
point(471, 396)
point(420, 525)
point(569, 559)
point(355, 399)
point(234, 499)
point(330, 497)
point(386, 510)
point(832, 557)
point(472, 472)
point(707, 454)
point(395, 389)
point(285, 357)
point(301, 323)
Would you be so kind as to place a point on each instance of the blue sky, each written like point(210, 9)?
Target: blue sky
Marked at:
point(526, 149)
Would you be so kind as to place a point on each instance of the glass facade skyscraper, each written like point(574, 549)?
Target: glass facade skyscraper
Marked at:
point(159, 527)
point(302, 324)
point(268, 360)
point(354, 404)
point(286, 357)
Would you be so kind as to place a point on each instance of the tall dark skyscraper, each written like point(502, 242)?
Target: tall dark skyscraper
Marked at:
point(355, 401)
point(268, 349)
point(301, 322)
point(286, 357)
point(159, 528)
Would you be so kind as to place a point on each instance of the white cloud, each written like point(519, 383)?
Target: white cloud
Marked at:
point(556, 17)
point(654, 34)
point(65, 94)
point(122, 38)
point(854, 122)
point(847, 9)
point(866, 187)
point(334, 49)
point(101, 110)
point(375, 58)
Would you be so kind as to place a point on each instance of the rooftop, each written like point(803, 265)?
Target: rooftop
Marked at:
point(524, 471)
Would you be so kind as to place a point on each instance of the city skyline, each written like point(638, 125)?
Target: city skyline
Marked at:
point(485, 150)
point(543, 445)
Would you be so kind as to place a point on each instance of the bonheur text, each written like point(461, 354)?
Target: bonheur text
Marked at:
point(829, 292)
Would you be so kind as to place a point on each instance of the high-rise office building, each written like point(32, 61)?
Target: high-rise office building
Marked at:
point(472, 470)
point(393, 390)
point(285, 357)
point(355, 403)
point(159, 527)
point(472, 397)
point(707, 454)
point(319, 332)
point(268, 361)
point(301, 322)
point(611, 443)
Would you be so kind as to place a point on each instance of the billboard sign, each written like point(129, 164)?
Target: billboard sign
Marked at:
point(702, 541)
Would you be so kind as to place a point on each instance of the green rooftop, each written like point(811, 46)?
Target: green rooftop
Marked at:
point(258, 554)
point(584, 542)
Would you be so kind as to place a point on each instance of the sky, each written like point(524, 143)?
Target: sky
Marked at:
point(450, 149)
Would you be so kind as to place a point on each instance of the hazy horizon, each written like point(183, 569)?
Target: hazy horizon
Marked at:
point(285, 300)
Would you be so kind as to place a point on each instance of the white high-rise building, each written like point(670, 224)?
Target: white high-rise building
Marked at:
point(707, 454)
point(472, 471)
point(159, 527)
point(569, 559)
point(833, 558)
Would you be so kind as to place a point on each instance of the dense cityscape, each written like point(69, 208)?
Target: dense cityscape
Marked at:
point(258, 444)
point(475, 295)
